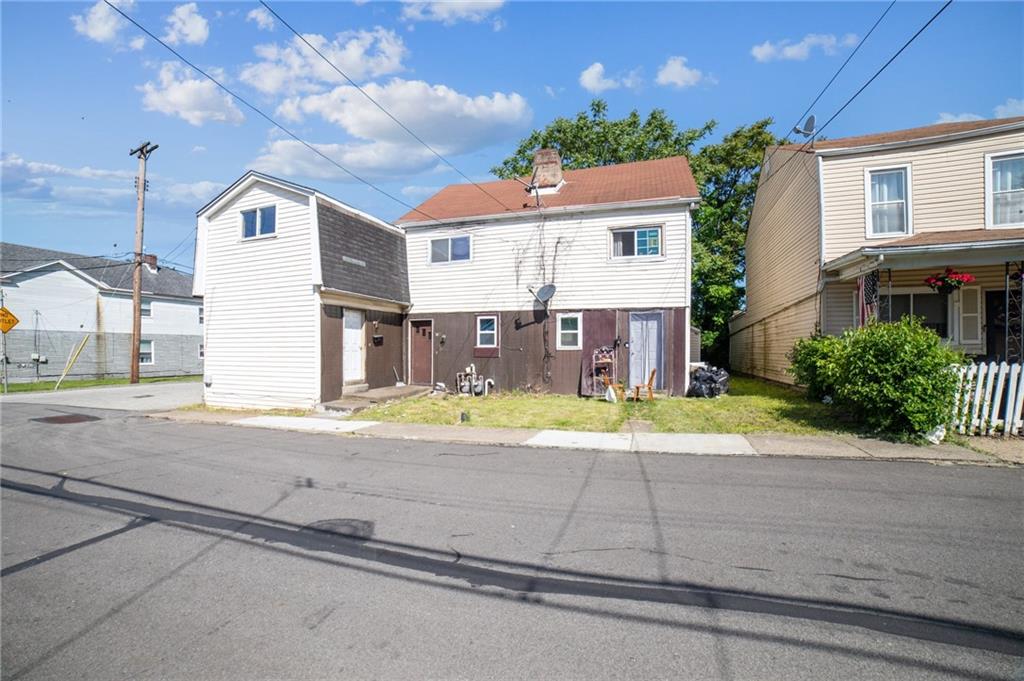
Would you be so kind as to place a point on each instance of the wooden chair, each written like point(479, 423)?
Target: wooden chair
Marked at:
point(649, 386)
point(618, 388)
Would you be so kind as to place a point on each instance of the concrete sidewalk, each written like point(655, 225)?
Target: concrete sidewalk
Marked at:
point(839, 447)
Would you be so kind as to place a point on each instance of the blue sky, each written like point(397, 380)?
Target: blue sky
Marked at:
point(81, 87)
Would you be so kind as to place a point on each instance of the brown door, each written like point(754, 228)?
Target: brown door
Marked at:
point(422, 350)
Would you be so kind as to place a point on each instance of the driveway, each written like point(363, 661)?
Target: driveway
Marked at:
point(141, 397)
point(146, 549)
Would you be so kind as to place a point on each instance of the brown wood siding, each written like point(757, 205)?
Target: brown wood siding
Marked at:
point(680, 362)
point(521, 365)
point(331, 328)
point(386, 355)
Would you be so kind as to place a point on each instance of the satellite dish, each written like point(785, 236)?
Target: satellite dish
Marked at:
point(544, 294)
point(808, 128)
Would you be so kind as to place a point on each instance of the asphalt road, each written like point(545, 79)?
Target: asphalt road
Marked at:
point(135, 548)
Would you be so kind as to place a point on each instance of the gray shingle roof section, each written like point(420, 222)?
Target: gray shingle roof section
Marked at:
point(114, 273)
point(361, 257)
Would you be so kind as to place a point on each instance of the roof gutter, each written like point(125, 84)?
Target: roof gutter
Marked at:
point(951, 137)
point(562, 210)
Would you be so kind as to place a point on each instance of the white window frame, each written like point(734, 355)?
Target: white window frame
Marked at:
point(635, 228)
point(908, 200)
point(202, 317)
point(202, 351)
point(449, 261)
point(146, 308)
point(152, 352)
point(578, 316)
point(259, 218)
point(480, 317)
point(989, 203)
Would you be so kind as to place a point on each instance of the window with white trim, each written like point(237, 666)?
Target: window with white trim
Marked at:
point(570, 331)
point(636, 242)
point(887, 202)
point(259, 222)
point(202, 351)
point(449, 249)
point(1006, 205)
point(146, 308)
point(487, 331)
point(201, 318)
point(145, 351)
point(931, 308)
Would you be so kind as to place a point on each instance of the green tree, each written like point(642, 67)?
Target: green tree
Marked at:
point(726, 173)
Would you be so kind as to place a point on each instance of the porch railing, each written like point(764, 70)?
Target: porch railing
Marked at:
point(989, 399)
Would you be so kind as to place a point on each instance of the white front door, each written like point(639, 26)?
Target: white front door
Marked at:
point(352, 347)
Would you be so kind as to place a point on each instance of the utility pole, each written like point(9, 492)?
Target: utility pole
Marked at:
point(142, 152)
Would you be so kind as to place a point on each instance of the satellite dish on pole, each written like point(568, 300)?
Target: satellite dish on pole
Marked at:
point(808, 128)
point(544, 294)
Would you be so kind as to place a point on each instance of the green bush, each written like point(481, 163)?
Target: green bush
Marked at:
point(814, 364)
point(895, 378)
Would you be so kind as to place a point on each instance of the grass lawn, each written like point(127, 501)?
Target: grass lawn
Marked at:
point(92, 383)
point(753, 406)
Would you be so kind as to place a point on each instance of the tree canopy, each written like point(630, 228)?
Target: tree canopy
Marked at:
point(726, 173)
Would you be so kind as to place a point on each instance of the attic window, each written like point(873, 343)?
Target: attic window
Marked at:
point(259, 222)
point(451, 249)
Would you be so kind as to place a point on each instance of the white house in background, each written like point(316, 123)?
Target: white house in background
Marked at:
point(613, 240)
point(61, 298)
point(304, 296)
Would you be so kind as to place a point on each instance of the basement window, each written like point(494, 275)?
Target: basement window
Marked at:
point(202, 351)
point(259, 222)
point(570, 328)
point(449, 249)
point(145, 351)
point(644, 242)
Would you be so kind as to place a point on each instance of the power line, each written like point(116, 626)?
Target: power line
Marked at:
point(387, 113)
point(267, 117)
point(860, 90)
point(180, 243)
point(831, 80)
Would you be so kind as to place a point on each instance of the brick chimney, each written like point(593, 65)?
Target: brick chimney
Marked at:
point(547, 168)
point(149, 259)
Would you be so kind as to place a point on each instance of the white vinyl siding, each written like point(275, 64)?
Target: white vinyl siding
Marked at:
point(1005, 190)
point(261, 311)
point(509, 258)
point(570, 331)
point(487, 331)
point(948, 188)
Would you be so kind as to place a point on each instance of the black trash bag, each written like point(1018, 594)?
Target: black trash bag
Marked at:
point(708, 382)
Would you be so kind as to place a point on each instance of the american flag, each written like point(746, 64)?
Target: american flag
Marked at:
point(867, 297)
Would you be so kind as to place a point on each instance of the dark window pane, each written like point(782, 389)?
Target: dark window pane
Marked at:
point(268, 220)
point(248, 223)
point(624, 244)
point(439, 250)
point(460, 248)
point(900, 307)
point(932, 307)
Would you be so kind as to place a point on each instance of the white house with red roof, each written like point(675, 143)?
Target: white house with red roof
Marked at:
point(543, 282)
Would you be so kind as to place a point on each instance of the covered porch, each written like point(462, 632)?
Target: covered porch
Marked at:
point(982, 316)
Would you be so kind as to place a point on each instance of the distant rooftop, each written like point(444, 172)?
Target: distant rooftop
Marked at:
point(908, 135)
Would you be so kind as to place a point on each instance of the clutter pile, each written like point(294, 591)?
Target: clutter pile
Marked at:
point(708, 381)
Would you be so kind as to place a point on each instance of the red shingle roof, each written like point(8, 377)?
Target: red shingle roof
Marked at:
point(665, 178)
point(906, 135)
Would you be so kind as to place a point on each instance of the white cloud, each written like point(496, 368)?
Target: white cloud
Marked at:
point(498, 24)
point(198, 149)
point(101, 23)
point(676, 73)
point(15, 167)
point(187, 193)
point(186, 25)
point(449, 121)
point(137, 43)
point(800, 51)
point(945, 117)
point(264, 20)
point(1010, 108)
point(295, 68)
point(419, 192)
point(593, 79)
point(449, 13)
point(193, 99)
point(552, 91)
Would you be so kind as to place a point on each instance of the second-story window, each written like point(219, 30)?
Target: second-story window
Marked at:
point(1007, 190)
point(636, 242)
point(449, 249)
point(887, 198)
point(259, 222)
point(146, 308)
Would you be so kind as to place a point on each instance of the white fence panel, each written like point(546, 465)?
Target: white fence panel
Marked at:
point(989, 400)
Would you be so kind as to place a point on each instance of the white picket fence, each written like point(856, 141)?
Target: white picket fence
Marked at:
point(989, 396)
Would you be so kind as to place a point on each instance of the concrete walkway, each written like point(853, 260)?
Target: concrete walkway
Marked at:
point(839, 447)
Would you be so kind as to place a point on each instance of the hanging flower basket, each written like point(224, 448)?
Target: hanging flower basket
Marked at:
point(948, 281)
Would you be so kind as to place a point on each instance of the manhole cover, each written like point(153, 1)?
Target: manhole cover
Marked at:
point(67, 418)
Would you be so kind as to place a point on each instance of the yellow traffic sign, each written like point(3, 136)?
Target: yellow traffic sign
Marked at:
point(7, 320)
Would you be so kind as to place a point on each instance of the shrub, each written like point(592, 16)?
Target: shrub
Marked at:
point(896, 377)
point(814, 364)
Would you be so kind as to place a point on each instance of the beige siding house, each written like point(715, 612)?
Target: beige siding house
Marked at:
point(849, 229)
